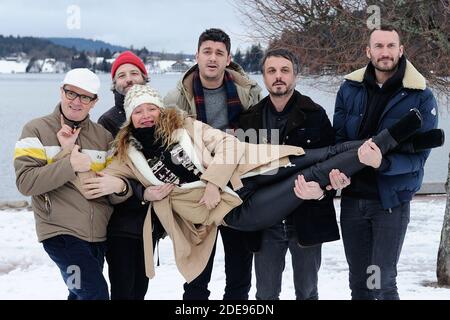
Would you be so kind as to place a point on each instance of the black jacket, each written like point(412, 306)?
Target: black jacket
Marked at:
point(308, 126)
point(128, 217)
point(113, 119)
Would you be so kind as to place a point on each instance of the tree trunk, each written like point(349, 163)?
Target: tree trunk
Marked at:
point(443, 261)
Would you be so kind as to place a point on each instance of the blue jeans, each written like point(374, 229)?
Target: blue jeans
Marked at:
point(270, 263)
point(81, 266)
point(373, 239)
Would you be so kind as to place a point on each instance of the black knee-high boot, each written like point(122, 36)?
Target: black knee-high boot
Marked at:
point(268, 205)
point(422, 141)
point(264, 206)
point(386, 140)
point(348, 161)
point(311, 157)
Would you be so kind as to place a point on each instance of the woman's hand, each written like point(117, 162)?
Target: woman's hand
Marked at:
point(102, 185)
point(156, 193)
point(211, 197)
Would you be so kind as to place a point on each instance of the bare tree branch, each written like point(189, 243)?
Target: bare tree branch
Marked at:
point(330, 36)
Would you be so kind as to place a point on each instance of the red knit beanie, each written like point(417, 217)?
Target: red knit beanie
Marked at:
point(127, 57)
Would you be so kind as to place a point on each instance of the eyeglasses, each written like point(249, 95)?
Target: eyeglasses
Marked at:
point(71, 95)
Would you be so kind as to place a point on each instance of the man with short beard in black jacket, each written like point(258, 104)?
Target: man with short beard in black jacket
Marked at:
point(289, 117)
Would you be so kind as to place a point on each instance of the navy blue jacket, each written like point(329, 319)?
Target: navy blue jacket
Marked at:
point(400, 175)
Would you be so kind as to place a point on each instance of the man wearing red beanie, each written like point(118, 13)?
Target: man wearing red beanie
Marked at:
point(125, 254)
point(128, 57)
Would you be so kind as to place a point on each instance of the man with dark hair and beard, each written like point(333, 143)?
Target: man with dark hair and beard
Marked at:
point(125, 254)
point(288, 117)
point(375, 207)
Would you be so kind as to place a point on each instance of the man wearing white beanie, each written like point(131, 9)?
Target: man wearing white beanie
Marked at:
point(51, 156)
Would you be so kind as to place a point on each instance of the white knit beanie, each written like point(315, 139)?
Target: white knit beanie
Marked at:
point(139, 94)
point(84, 79)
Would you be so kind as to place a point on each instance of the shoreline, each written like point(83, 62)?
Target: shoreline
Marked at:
point(435, 190)
point(15, 205)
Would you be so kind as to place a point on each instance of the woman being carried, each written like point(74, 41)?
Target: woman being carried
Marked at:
point(218, 178)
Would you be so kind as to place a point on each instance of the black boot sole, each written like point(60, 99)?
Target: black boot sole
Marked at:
point(433, 138)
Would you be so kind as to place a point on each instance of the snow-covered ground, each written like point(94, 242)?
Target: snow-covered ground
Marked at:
point(13, 66)
point(26, 272)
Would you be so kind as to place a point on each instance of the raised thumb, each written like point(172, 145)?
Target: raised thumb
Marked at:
point(76, 148)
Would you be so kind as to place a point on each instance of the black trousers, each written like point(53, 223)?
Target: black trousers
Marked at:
point(126, 268)
point(238, 269)
point(269, 198)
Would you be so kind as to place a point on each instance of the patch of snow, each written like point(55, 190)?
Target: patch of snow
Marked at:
point(26, 272)
point(13, 66)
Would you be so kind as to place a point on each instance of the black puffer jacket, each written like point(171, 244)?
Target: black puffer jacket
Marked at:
point(128, 217)
point(308, 127)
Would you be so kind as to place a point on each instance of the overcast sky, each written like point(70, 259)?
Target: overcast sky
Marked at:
point(169, 25)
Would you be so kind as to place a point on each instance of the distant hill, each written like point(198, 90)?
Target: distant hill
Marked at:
point(87, 45)
point(33, 47)
point(69, 49)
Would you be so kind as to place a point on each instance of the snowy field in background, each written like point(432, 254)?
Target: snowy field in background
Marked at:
point(26, 272)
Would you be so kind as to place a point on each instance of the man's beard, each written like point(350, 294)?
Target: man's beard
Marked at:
point(122, 91)
point(214, 77)
point(281, 93)
point(393, 68)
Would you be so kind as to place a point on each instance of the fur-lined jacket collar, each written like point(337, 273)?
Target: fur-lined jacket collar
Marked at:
point(412, 79)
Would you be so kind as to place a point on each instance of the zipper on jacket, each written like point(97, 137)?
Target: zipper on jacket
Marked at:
point(91, 211)
point(285, 231)
point(400, 92)
point(92, 222)
point(48, 204)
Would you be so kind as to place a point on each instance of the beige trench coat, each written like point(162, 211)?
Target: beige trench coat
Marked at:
point(221, 158)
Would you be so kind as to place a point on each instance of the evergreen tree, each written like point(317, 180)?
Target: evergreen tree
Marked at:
point(238, 58)
point(107, 54)
point(80, 61)
point(253, 58)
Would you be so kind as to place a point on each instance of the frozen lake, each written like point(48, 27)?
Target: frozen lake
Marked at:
point(27, 96)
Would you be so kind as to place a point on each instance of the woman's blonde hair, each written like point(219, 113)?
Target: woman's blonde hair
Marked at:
point(170, 119)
